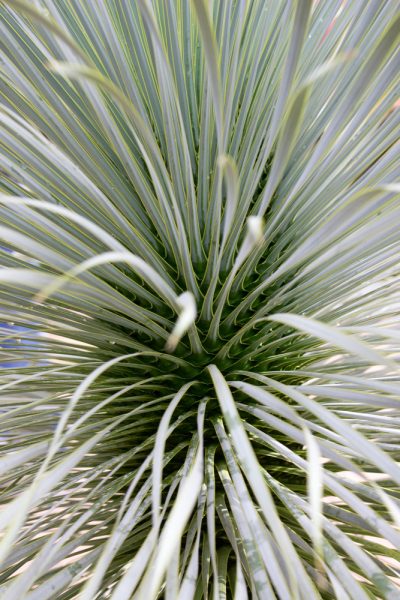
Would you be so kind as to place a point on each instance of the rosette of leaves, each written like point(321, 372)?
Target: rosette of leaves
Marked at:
point(199, 223)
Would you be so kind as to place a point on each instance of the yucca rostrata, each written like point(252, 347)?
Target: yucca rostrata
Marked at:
point(200, 232)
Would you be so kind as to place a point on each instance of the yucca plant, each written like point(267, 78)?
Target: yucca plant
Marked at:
point(199, 223)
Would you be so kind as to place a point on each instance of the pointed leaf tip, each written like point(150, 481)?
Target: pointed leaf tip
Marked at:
point(187, 303)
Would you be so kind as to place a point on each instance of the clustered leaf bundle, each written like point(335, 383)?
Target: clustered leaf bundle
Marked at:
point(199, 299)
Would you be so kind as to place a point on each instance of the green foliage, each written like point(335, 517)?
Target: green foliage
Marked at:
point(199, 231)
